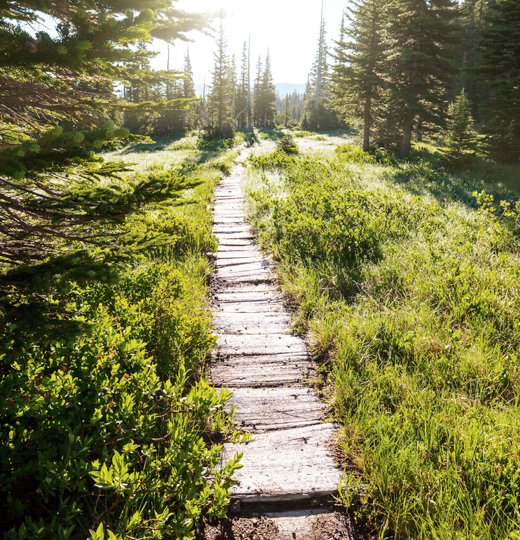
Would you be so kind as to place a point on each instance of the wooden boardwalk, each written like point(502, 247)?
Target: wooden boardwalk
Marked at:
point(289, 460)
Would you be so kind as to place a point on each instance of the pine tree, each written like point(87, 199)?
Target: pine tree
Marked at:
point(419, 66)
point(190, 114)
point(461, 136)
point(287, 112)
point(221, 92)
point(317, 102)
point(473, 22)
point(57, 102)
point(500, 68)
point(268, 94)
point(358, 76)
point(242, 91)
point(257, 95)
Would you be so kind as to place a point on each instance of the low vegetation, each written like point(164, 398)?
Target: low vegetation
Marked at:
point(106, 421)
point(405, 277)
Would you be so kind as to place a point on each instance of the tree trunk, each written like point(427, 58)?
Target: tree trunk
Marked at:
point(366, 131)
point(406, 146)
point(419, 130)
point(265, 120)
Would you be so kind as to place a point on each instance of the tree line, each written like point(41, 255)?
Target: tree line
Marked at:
point(399, 64)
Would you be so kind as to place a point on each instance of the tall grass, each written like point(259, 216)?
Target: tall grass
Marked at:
point(409, 293)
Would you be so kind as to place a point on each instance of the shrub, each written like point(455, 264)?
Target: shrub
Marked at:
point(353, 153)
point(287, 145)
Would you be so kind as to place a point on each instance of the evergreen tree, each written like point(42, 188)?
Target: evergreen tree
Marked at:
point(501, 70)
point(257, 95)
point(473, 22)
point(242, 91)
point(419, 66)
point(221, 92)
point(287, 112)
point(57, 102)
point(358, 76)
point(268, 94)
point(190, 114)
point(462, 138)
point(317, 100)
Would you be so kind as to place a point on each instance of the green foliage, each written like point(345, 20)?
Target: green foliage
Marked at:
point(104, 422)
point(287, 145)
point(353, 153)
point(411, 300)
point(462, 138)
point(500, 69)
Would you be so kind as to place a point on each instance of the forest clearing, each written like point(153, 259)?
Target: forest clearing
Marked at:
point(247, 314)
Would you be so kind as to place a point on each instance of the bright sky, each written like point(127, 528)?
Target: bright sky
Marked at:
point(289, 28)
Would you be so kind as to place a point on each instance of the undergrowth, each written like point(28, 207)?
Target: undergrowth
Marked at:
point(107, 427)
point(406, 279)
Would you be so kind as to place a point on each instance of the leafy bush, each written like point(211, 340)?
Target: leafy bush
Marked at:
point(304, 133)
point(104, 424)
point(353, 153)
point(287, 145)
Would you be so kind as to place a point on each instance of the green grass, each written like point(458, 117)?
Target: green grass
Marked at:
point(409, 294)
point(108, 424)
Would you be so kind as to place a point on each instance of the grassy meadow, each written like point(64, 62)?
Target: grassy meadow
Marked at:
point(406, 285)
point(108, 425)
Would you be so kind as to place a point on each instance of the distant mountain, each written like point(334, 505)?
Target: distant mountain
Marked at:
point(282, 88)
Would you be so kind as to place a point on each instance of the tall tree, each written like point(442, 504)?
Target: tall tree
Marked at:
point(501, 70)
point(268, 93)
point(462, 138)
point(419, 64)
point(287, 111)
point(257, 94)
point(317, 100)
point(221, 92)
point(358, 74)
point(57, 91)
point(242, 90)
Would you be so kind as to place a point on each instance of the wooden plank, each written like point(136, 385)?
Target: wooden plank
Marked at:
point(252, 323)
point(267, 409)
point(235, 244)
point(254, 345)
point(260, 371)
point(229, 229)
point(240, 288)
point(232, 221)
point(249, 307)
point(292, 464)
point(238, 253)
point(226, 237)
point(236, 261)
point(252, 294)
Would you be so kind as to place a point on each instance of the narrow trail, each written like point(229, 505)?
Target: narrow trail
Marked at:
point(289, 474)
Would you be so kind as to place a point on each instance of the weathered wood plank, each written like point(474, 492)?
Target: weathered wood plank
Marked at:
point(229, 221)
point(237, 252)
point(251, 323)
point(229, 229)
point(223, 262)
point(267, 409)
point(252, 294)
point(254, 345)
point(226, 237)
point(249, 307)
point(260, 371)
point(285, 465)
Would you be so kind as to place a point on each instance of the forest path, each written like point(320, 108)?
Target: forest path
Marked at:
point(289, 474)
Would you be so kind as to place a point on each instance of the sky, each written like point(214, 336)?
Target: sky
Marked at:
point(289, 28)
